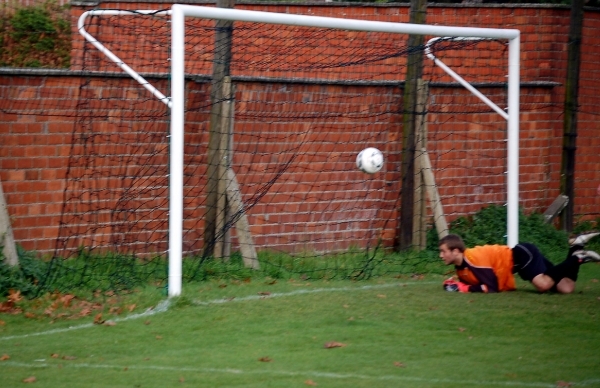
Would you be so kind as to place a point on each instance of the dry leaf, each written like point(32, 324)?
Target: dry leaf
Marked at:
point(264, 293)
point(4, 357)
point(147, 322)
point(14, 296)
point(69, 358)
point(98, 319)
point(31, 379)
point(265, 359)
point(110, 323)
point(334, 344)
point(399, 364)
point(159, 337)
point(55, 355)
point(311, 383)
point(461, 329)
point(66, 300)
point(564, 384)
point(29, 315)
point(115, 310)
point(381, 296)
point(131, 307)
point(2, 323)
point(594, 280)
point(181, 380)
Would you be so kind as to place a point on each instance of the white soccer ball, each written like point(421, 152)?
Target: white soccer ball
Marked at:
point(369, 160)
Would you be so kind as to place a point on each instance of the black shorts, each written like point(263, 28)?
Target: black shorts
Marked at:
point(529, 261)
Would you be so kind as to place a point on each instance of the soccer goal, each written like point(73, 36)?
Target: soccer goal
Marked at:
point(267, 112)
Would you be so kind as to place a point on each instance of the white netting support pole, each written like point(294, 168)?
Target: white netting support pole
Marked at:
point(176, 150)
point(135, 75)
point(458, 78)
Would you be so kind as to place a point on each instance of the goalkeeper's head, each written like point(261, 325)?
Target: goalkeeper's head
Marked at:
point(452, 242)
point(452, 248)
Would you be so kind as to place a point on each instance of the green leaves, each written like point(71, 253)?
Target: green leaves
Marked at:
point(37, 36)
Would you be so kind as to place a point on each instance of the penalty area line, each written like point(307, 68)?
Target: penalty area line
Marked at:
point(303, 374)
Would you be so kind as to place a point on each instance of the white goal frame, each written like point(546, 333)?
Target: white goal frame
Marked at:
point(176, 102)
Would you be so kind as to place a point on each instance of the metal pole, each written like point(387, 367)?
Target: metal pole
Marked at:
point(176, 150)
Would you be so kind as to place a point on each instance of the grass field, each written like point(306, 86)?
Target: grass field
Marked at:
point(385, 332)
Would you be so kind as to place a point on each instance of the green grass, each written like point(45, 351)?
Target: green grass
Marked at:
point(395, 332)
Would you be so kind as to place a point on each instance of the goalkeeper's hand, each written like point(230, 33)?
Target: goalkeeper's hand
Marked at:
point(455, 286)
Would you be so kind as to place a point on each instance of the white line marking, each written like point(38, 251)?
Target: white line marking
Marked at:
point(164, 305)
point(305, 291)
point(160, 308)
point(340, 376)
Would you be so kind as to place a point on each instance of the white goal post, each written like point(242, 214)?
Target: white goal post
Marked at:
point(176, 101)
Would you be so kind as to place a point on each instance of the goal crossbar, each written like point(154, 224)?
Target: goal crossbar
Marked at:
point(176, 102)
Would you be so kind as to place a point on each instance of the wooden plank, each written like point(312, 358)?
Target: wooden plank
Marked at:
point(7, 240)
point(434, 197)
point(242, 227)
point(420, 210)
point(223, 153)
point(555, 208)
point(221, 68)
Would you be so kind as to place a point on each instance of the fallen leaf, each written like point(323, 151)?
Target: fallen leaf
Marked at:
point(381, 296)
point(55, 355)
point(461, 329)
point(265, 359)
point(66, 300)
point(4, 357)
point(14, 296)
point(264, 293)
point(29, 315)
point(563, 384)
point(69, 358)
point(2, 323)
point(159, 337)
point(115, 310)
point(594, 280)
point(110, 323)
point(333, 344)
point(98, 319)
point(131, 307)
point(147, 322)
point(311, 383)
point(181, 380)
point(30, 379)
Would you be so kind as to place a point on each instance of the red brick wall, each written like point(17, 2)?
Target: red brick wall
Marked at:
point(39, 113)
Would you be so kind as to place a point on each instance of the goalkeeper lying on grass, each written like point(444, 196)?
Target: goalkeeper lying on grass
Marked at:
point(490, 268)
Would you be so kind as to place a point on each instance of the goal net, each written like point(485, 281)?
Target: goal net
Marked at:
point(218, 142)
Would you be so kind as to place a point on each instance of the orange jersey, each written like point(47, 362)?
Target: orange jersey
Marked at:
point(487, 268)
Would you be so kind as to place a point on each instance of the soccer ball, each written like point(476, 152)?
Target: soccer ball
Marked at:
point(369, 160)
